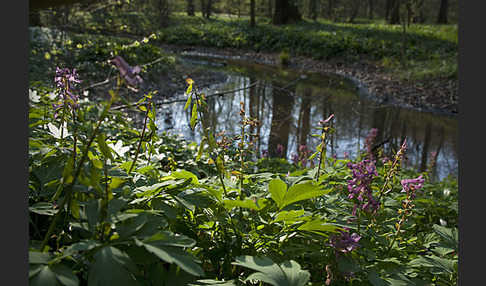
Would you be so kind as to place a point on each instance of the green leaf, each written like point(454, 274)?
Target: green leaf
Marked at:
point(39, 257)
point(65, 275)
point(295, 193)
point(43, 208)
point(303, 191)
point(111, 267)
point(44, 277)
point(183, 174)
point(188, 102)
point(204, 282)
point(289, 273)
point(318, 226)
point(375, 279)
point(189, 89)
point(277, 189)
point(194, 115)
point(201, 149)
point(75, 208)
point(105, 150)
point(291, 216)
point(172, 255)
point(247, 203)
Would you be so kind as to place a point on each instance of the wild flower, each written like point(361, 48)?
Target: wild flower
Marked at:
point(129, 73)
point(33, 96)
point(359, 186)
point(65, 80)
point(412, 185)
point(301, 156)
point(344, 241)
point(346, 155)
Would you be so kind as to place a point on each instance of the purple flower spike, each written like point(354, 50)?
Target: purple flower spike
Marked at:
point(280, 149)
point(65, 81)
point(412, 185)
point(360, 186)
point(344, 242)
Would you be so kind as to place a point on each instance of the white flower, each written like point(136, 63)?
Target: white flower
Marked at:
point(56, 132)
point(52, 95)
point(118, 148)
point(443, 222)
point(447, 192)
point(86, 92)
point(33, 96)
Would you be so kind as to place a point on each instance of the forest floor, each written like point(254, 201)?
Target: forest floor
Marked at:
point(439, 94)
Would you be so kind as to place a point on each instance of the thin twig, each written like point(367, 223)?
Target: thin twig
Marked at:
point(185, 99)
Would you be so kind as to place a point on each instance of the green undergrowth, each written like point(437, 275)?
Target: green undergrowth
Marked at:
point(90, 53)
point(428, 51)
point(115, 203)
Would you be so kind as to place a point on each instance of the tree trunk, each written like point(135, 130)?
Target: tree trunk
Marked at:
point(164, 12)
point(208, 8)
point(304, 125)
point(370, 9)
point(34, 19)
point(270, 9)
point(203, 8)
point(281, 122)
point(354, 10)
point(395, 12)
point(388, 7)
point(444, 6)
point(313, 9)
point(190, 8)
point(425, 148)
point(252, 13)
point(285, 12)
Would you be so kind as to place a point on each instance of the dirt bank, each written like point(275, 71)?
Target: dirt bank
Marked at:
point(435, 95)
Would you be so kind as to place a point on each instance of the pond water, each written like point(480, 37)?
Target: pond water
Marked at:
point(289, 106)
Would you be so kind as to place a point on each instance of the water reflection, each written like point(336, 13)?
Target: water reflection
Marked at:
point(289, 107)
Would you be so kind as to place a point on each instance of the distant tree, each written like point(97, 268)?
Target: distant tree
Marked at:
point(370, 9)
point(313, 9)
point(354, 10)
point(190, 8)
point(444, 7)
point(394, 17)
point(163, 7)
point(206, 6)
point(285, 12)
point(252, 13)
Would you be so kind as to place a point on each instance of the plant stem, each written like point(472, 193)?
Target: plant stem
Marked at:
point(69, 189)
point(323, 149)
point(139, 142)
